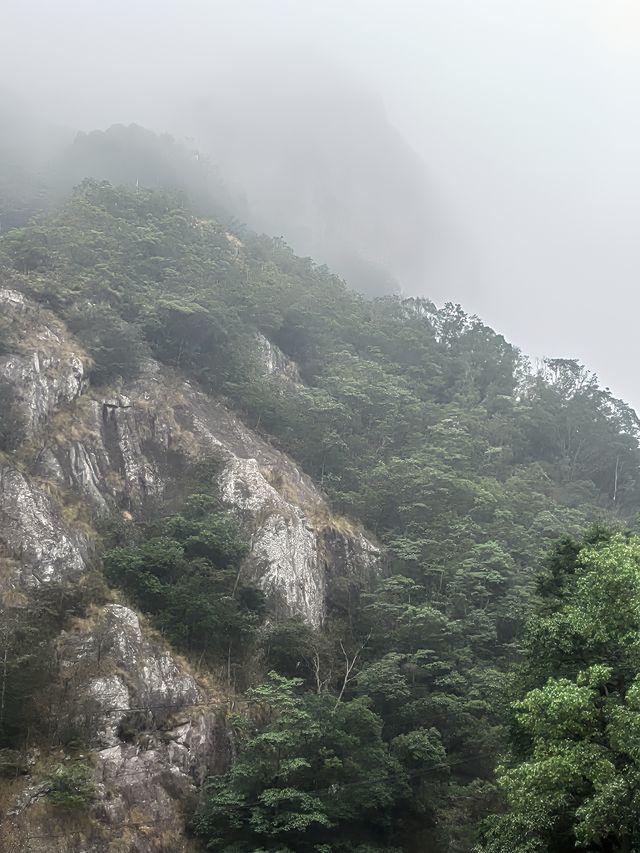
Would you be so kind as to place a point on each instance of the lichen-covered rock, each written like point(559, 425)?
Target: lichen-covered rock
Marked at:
point(153, 730)
point(33, 531)
point(46, 368)
point(275, 362)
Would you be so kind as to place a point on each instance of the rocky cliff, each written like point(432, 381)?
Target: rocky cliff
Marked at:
point(87, 454)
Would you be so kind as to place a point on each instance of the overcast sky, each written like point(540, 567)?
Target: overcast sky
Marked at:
point(525, 114)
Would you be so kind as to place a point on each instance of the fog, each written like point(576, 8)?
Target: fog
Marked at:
point(480, 151)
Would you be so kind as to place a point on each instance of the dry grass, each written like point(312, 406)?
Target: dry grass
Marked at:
point(73, 421)
point(318, 514)
point(10, 595)
point(281, 484)
point(325, 521)
point(186, 441)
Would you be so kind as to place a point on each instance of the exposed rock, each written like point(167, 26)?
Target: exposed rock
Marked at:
point(154, 731)
point(118, 669)
point(174, 734)
point(284, 547)
point(46, 369)
point(155, 736)
point(276, 363)
point(133, 444)
point(33, 531)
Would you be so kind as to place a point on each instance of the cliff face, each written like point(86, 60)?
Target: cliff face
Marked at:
point(85, 455)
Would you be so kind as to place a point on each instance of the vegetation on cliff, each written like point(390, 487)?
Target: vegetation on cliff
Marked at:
point(381, 732)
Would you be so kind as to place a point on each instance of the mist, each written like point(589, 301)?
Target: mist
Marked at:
point(476, 152)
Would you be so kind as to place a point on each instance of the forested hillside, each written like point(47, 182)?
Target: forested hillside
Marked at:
point(381, 729)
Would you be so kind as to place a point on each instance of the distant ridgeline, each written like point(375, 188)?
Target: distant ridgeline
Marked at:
point(36, 175)
point(421, 423)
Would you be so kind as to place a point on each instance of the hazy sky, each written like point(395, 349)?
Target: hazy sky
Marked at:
point(525, 113)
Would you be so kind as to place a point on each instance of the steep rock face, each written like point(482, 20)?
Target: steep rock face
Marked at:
point(111, 668)
point(275, 362)
point(46, 370)
point(132, 444)
point(33, 531)
point(284, 547)
point(154, 731)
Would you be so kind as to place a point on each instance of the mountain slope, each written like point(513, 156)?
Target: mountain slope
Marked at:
point(90, 456)
point(157, 363)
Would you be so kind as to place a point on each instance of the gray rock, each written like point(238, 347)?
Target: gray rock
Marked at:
point(34, 532)
point(275, 362)
point(46, 369)
point(154, 731)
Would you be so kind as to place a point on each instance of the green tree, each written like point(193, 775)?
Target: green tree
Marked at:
point(312, 776)
point(576, 784)
point(186, 571)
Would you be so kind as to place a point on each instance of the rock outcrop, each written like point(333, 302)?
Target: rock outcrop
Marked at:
point(133, 444)
point(33, 531)
point(153, 729)
point(46, 369)
point(275, 362)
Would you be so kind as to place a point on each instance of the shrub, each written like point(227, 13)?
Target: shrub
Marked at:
point(71, 786)
point(114, 345)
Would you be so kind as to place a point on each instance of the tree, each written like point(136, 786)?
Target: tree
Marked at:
point(574, 781)
point(186, 572)
point(115, 346)
point(311, 776)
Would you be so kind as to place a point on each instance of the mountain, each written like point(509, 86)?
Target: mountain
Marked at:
point(269, 548)
point(323, 166)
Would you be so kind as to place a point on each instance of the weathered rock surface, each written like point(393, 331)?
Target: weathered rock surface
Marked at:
point(46, 369)
point(132, 446)
point(154, 734)
point(153, 730)
point(33, 531)
point(275, 362)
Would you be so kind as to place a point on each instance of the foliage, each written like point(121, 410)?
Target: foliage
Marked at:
point(71, 786)
point(421, 422)
point(577, 783)
point(28, 663)
point(313, 776)
point(185, 570)
point(114, 345)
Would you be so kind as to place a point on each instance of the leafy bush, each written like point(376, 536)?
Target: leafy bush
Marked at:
point(115, 346)
point(315, 776)
point(185, 572)
point(71, 786)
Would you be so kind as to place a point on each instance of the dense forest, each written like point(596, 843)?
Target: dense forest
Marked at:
point(481, 692)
